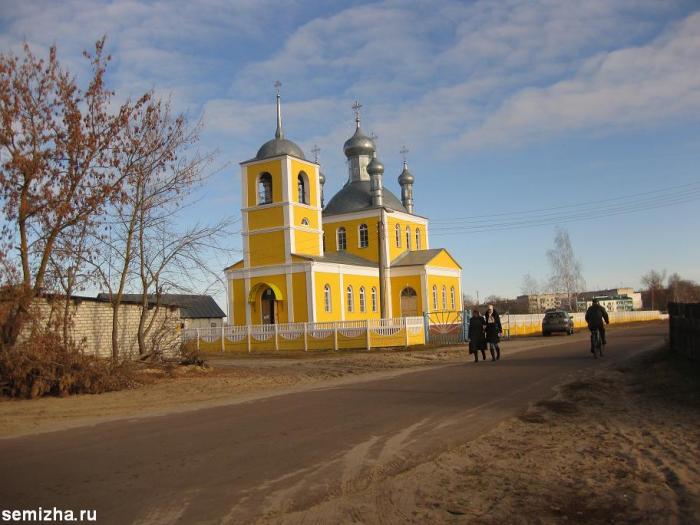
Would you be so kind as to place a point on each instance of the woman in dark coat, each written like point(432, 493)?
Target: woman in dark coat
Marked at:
point(493, 331)
point(477, 335)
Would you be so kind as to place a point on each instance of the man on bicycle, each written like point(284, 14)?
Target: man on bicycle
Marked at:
point(595, 315)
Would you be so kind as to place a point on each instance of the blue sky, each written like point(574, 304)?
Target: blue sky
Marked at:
point(505, 107)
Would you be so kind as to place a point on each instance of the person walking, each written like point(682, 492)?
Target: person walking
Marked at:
point(477, 335)
point(493, 332)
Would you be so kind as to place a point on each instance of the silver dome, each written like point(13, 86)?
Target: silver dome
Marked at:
point(406, 177)
point(279, 146)
point(375, 167)
point(356, 196)
point(321, 178)
point(358, 144)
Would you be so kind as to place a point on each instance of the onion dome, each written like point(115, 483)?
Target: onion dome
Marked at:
point(279, 146)
point(358, 144)
point(406, 177)
point(375, 167)
point(321, 178)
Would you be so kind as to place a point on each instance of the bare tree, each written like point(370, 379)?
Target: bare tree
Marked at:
point(59, 151)
point(682, 290)
point(566, 276)
point(654, 282)
point(530, 285)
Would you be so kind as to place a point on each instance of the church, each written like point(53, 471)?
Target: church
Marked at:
point(363, 254)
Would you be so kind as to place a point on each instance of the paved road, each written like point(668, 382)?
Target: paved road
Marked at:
point(233, 463)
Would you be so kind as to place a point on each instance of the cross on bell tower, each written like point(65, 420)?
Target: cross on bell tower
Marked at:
point(356, 106)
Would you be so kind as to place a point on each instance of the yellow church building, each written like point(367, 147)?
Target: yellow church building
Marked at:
point(365, 254)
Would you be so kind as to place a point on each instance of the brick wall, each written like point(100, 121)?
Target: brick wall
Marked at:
point(91, 326)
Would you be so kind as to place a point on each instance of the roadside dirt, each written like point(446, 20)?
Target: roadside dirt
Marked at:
point(617, 446)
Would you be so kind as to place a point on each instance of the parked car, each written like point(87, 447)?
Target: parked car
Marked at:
point(557, 321)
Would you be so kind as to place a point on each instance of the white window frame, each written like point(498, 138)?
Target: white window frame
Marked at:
point(362, 228)
point(444, 297)
point(374, 298)
point(327, 298)
point(304, 221)
point(362, 299)
point(418, 239)
point(397, 230)
point(337, 238)
point(350, 298)
point(452, 297)
point(435, 297)
point(408, 237)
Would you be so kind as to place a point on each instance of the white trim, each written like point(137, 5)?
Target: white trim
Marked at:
point(254, 161)
point(374, 212)
point(407, 217)
point(290, 297)
point(246, 289)
point(403, 271)
point(424, 290)
point(311, 294)
point(345, 268)
point(289, 240)
point(444, 272)
point(264, 271)
point(282, 228)
point(244, 216)
point(359, 236)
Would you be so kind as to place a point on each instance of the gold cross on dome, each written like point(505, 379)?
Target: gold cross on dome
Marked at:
point(356, 108)
point(277, 85)
point(403, 152)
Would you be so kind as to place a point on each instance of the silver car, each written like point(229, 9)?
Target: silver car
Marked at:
point(557, 321)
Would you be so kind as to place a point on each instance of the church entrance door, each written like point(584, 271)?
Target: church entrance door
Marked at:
point(409, 302)
point(267, 303)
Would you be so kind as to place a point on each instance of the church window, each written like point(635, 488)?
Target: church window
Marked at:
point(265, 189)
point(302, 188)
point(435, 302)
point(362, 299)
point(341, 239)
point(408, 237)
point(305, 222)
point(327, 298)
point(351, 306)
point(364, 236)
point(444, 297)
point(452, 297)
point(397, 229)
point(374, 299)
point(418, 241)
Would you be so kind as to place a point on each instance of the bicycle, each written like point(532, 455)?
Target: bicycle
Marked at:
point(596, 343)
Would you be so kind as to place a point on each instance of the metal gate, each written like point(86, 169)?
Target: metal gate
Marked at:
point(446, 327)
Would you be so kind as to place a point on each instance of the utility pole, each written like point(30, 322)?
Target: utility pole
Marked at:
point(381, 261)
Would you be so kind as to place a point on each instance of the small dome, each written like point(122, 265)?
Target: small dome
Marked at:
point(406, 177)
point(321, 178)
point(358, 144)
point(375, 167)
point(279, 146)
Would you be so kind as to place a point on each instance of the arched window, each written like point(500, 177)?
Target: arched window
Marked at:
point(374, 299)
point(327, 304)
point(435, 303)
point(341, 239)
point(444, 297)
point(351, 306)
point(362, 298)
point(397, 229)
point(305, 222)
point(452, 297)
point(265, 189)
point(364, 236)
point(408, 237)
point(418, 241)
point(302, 188)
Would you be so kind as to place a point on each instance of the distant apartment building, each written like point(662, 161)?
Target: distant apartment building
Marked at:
point(538, 303)
point(614, 303)
point(636, 297)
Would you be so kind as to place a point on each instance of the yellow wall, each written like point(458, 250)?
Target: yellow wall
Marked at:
point(352, 236)
point(307, 242)
point(439, 281)
point(397, 285)
point(395, 251)
point(265, 218)
point(311, 171)
point(266, 248)
point(280, 281)
point(300, 212)
point(320, 280)
point(274, 168)
point(301, 313)
point(238, 302)
point(357, 281)
point(444, 260)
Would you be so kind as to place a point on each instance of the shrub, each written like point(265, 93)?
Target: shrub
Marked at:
point(44, 365)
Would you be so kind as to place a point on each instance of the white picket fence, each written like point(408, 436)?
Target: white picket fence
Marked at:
point(370, 333)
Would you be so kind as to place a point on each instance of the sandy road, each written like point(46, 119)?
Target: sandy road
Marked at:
point(238, 462)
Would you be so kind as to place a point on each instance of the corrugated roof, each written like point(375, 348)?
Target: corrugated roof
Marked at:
point(340, 258)
point(416, 257)
point(191, 306)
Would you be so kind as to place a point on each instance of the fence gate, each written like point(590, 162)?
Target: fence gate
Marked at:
point(446, 327)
